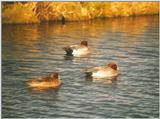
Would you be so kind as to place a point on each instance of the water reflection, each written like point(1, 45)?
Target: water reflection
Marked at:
point(34, 50)
point(33, 34)
point(68, 58)
point(77, 59)
point(102, 80)
point(42, 90)
point(130, 26)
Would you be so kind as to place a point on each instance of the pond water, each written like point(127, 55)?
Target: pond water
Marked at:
point(30, 51)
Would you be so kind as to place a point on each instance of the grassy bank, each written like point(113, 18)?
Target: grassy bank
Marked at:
point(36, 12)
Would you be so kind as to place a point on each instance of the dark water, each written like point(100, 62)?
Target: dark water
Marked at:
point(34, 50)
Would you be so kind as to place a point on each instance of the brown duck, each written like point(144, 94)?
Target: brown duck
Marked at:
point(51, 81)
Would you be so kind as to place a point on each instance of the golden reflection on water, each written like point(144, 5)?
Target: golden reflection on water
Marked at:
point(38, 89)
point(54, 91)
point(131, 25)
point(33, 35)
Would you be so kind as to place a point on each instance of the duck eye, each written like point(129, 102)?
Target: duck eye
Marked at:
point(114, 66)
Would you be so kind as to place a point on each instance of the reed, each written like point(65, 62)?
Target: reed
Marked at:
point(34, 12)
point(19, 13)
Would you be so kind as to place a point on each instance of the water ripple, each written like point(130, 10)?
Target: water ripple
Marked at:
point(27, 55)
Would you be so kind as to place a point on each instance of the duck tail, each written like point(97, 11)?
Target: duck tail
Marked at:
point(88, 73)
point(68, 50)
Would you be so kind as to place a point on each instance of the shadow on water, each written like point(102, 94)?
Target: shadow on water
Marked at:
point(69, 57)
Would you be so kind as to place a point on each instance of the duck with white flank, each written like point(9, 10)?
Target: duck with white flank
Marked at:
point(109, 71)
point(78, 50)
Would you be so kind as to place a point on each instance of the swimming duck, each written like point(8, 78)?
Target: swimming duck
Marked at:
point(108, 71)
point(78, 50)
point(51, 81)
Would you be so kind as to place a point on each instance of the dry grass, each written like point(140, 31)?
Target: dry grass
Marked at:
point(31, 12)
point(19, 13)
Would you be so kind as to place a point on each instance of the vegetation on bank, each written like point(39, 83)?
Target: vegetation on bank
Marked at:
point(35, 12)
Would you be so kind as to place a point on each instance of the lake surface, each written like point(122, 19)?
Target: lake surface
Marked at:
point(30, 51)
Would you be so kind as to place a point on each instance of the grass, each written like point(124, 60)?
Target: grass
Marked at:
point(35, 12)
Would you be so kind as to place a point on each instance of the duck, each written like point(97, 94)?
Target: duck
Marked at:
point(108, 71)
point(78, 50)
point(50, 81)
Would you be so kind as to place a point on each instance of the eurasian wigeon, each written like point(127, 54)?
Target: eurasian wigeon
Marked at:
point(108, 71)
point(78, 50)
point(51, 81)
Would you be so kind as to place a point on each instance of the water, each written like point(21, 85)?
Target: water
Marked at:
point(29, 51)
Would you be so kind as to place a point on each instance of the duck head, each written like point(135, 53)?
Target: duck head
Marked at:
point(84, 43)
point(54, 75)
point(112, 65)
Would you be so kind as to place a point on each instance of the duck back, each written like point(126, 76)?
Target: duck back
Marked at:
point(45, 83)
